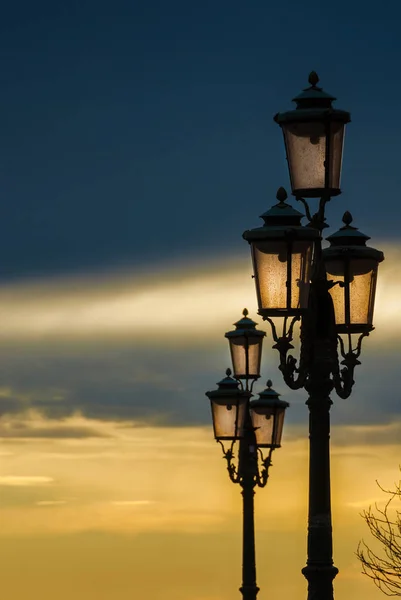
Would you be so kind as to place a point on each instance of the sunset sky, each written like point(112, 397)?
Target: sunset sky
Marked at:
point(137, 144)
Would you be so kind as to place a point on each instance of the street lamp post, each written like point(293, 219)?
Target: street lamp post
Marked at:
point(330, 291)
point(254, 424)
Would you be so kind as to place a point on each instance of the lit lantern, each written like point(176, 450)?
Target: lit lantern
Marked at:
point(246, 348)
point(352, 268)
point(267, 414)
point(314, 136)
point(229, 406)
point(282, 257)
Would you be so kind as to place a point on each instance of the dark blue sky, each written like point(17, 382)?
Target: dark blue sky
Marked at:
point(134, 132)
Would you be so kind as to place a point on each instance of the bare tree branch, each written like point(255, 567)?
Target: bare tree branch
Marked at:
point(383, 566)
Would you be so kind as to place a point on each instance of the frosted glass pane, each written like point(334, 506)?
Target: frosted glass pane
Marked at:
point(362, 286)
point(224, 420)
point(306, 151)
point(335, 270)
point(336, 143)
point(279, 427)
point(271, 271)
point(263, 425)
point(300, 274)
point(238, 356)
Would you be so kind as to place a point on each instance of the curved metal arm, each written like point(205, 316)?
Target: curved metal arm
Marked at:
point(344, 379)
point(288, 364)
point(318, 220)
point(263, 475)
point(232, 469)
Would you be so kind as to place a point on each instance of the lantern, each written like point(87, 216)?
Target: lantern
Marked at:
point(282, 257)
point(351, 268)
point(313, 137)
point(267, 414)
point(229, 405)
point(246, 348)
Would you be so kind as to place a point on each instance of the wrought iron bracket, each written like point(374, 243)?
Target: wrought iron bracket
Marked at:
point(260, 469)
point(343, 379)
point(288, 363)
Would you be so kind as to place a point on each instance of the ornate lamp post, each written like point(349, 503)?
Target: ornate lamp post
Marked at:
point(330, 291)
point(255, 424)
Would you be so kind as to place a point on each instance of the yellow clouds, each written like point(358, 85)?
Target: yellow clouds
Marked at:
point(175, 303)
point(142, 479)
point(187, 303)
point(24, 480)
point(117, 506)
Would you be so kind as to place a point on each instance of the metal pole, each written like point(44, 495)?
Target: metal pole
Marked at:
point(319, 335)
point(247, 466)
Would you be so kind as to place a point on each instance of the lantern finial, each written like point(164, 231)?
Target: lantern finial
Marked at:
point(313, 78)
point(269, 383)
point(281, 195)
point(245, 312)
point(347, 218)
point(228, 372)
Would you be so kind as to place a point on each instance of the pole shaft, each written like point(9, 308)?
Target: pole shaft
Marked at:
point(320, 570)
point(248, 466)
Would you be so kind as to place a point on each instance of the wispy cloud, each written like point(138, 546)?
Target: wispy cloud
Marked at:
point(24, 480)
point(187, 303)
point(51, 502)
point(132, 502)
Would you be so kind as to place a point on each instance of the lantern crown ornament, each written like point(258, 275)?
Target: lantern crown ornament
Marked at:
point(282, 256)
point(246, 348)
point(352, 268)
point(313, 136)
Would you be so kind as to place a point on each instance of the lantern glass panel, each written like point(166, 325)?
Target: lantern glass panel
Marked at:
point(362, 278)
point(270, 265)
point(354, 302)
point(241, 346)
point(335, 272)
point(306, 152)
point(263, 423)
point(228, 419)
point(337, 131)
point(279, 424)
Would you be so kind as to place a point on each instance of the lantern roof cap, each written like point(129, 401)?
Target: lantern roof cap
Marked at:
point(245, 326)
point(313, 103)
point(281, 221)
point(228, 386)
point(348, 233)
point(348, 240)
point(282, 212)
point(269, 398)
point(228, 381)
point(313, 94)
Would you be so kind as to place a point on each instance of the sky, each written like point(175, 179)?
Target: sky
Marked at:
point(137, 144)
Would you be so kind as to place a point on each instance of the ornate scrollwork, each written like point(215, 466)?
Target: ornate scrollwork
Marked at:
point(343, 379)
point(259, 473)
point(232, 469)
point(263, 475)
point(288, 363)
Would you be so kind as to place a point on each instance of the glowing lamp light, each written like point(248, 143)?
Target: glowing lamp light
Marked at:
point(267, 414)
point(352, 267)
point(282, 257)
point(229, 406)
point(246, 348)
point(313, 137)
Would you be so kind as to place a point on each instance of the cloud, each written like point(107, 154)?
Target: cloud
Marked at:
point(51, 502)
point(185, 304)
point(156, 345)
point(33, 426)
point(132, 502)
point(24, 480)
